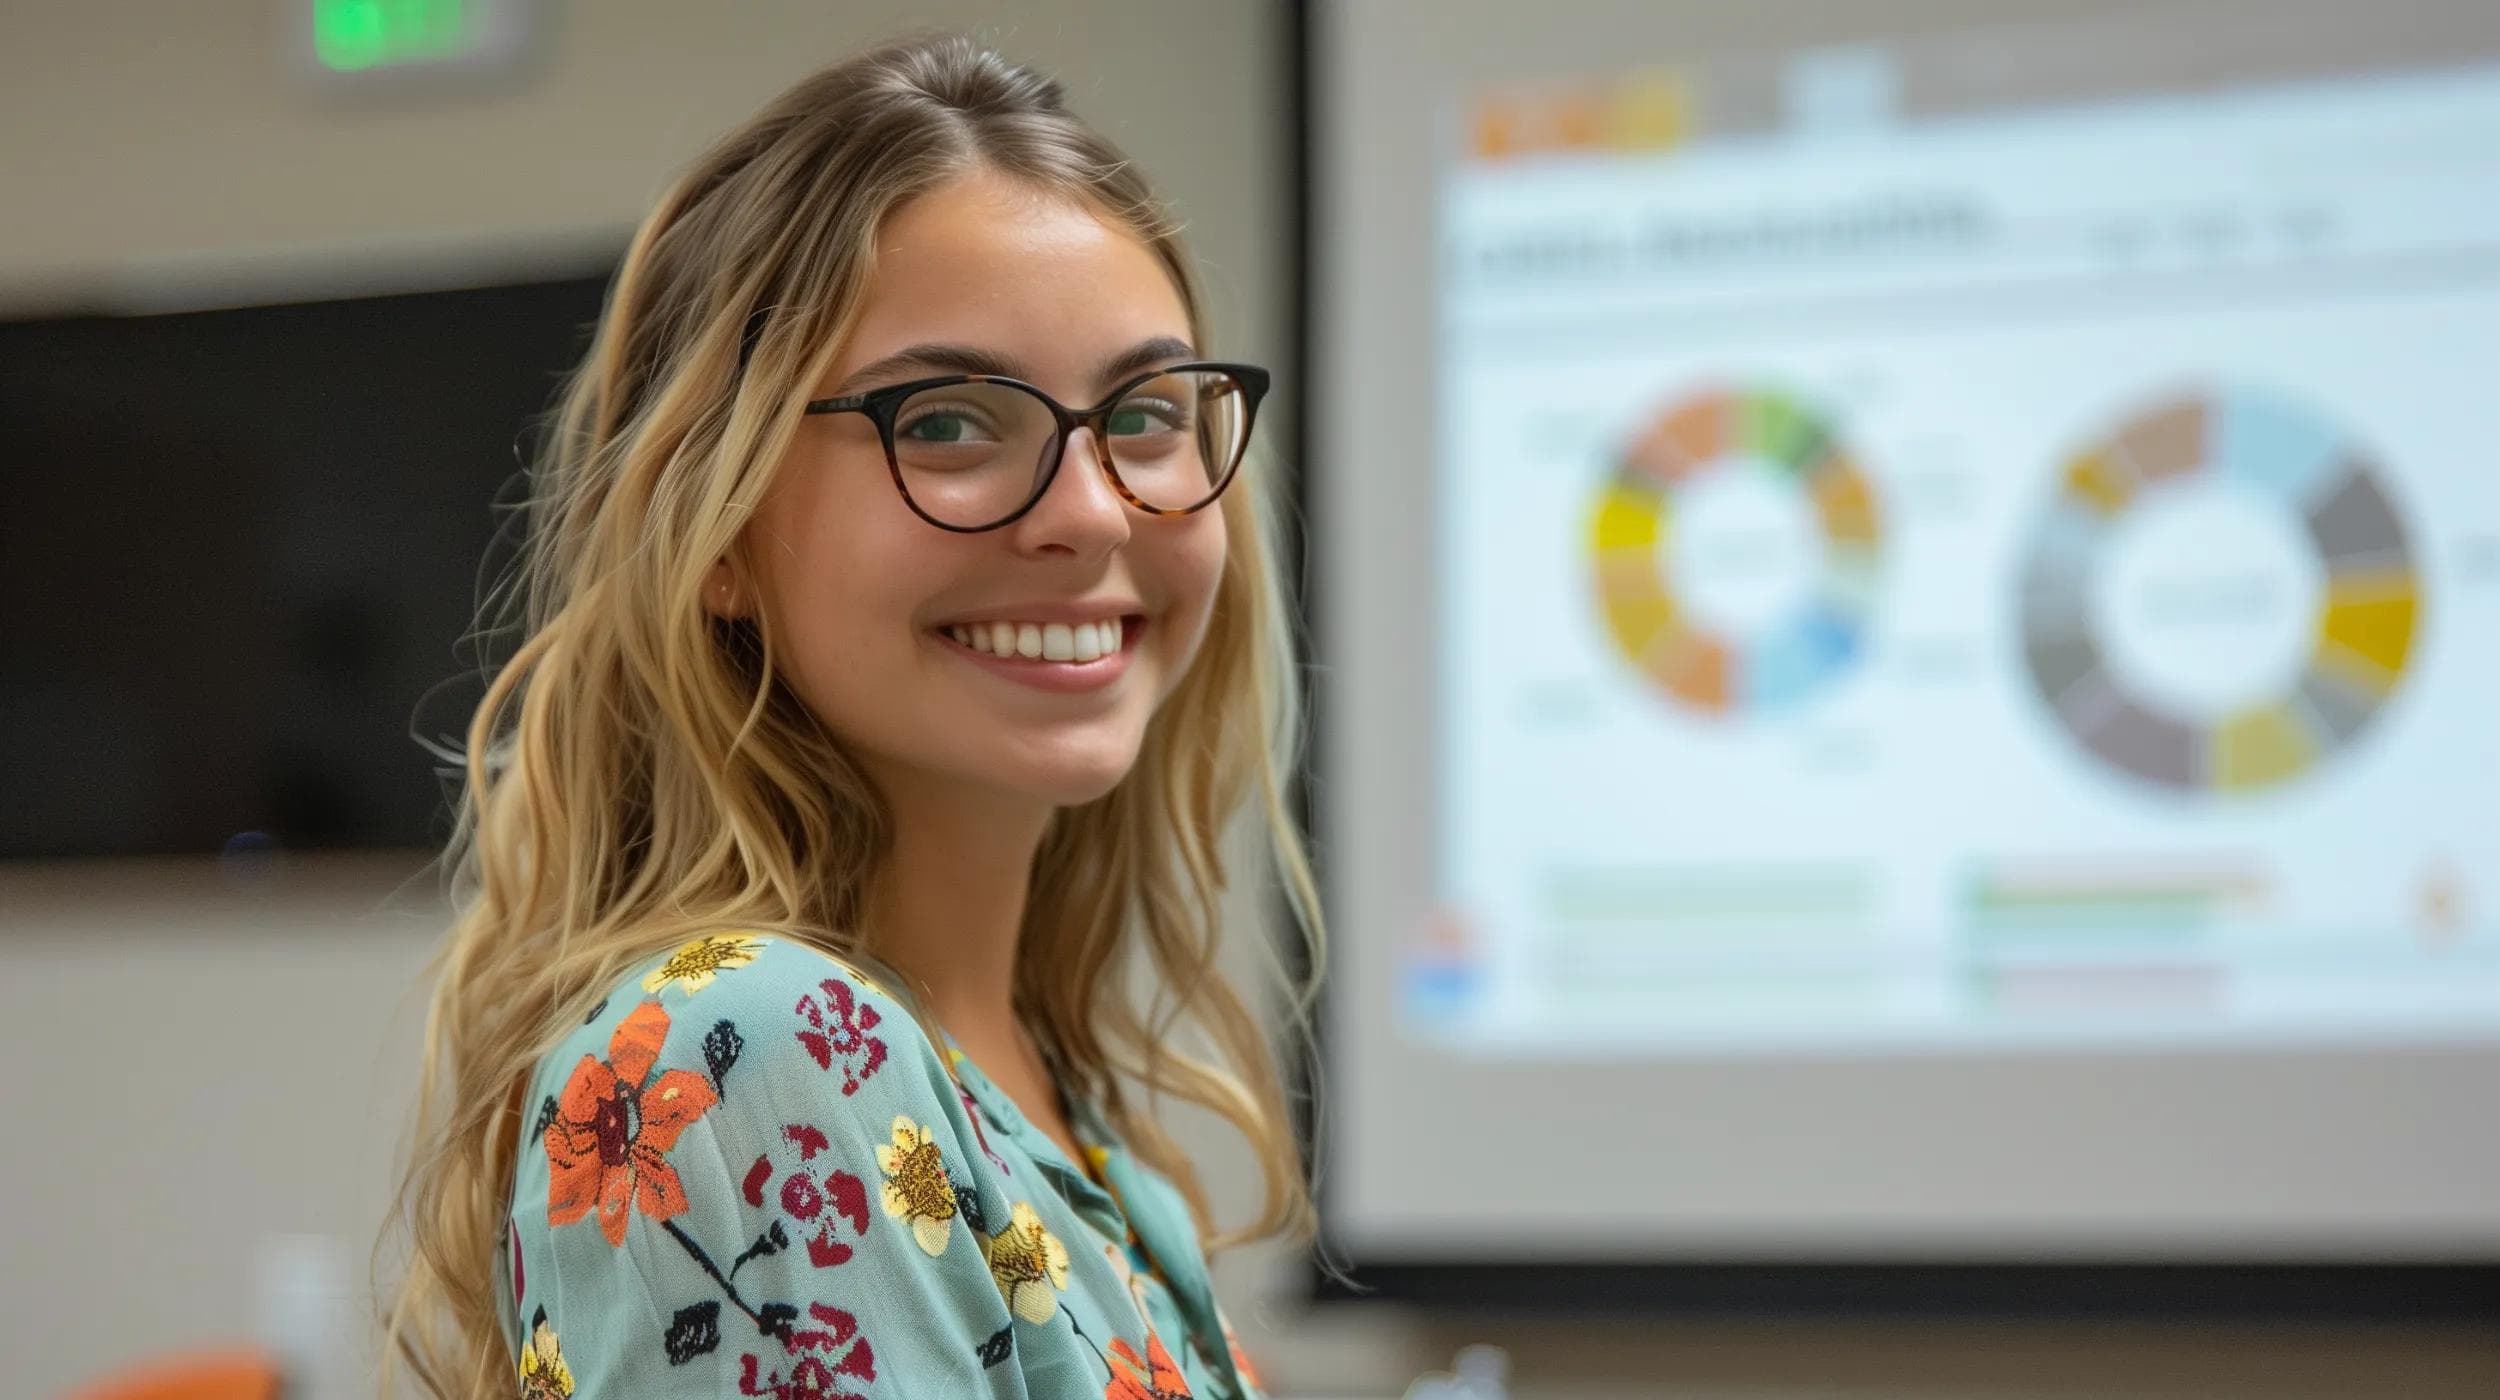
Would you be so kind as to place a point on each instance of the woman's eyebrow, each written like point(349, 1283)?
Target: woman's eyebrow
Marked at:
point(1143, 354)
point(972, 359)
point(943, 359)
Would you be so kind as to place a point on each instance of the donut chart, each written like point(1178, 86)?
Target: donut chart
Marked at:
point(1815, 625)
point(2359, 598)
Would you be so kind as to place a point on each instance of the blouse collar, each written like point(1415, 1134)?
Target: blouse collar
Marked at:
point(1115, 1196)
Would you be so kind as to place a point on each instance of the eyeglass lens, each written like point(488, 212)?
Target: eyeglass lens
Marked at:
point(970, 454)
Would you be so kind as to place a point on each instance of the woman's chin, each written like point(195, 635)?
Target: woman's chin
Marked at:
point(1074, 787)
point(1062, 770)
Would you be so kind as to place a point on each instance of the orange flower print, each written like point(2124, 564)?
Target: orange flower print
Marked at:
point(1241, 1360)
point(1156, 1377)
point(607, 1144)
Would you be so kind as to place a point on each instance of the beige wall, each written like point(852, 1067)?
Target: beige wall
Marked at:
point(201, 1072)
point(159, 142)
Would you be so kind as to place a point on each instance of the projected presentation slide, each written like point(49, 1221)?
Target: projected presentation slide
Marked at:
point(1971, 579)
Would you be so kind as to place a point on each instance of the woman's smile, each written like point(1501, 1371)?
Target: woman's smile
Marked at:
point(1055, 656)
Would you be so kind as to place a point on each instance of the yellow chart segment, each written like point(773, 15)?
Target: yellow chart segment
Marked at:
point(1629, 522)
point(2260, 747)
point(2097, 482)
point(2365, 629)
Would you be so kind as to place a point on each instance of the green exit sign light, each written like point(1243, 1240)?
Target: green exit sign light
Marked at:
point(351, 36)
point(411, 45)
point(358, 36)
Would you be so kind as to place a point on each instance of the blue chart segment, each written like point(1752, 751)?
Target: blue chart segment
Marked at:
point(1756, 479)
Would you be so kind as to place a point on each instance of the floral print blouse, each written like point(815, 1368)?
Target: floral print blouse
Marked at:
point(754, 1173)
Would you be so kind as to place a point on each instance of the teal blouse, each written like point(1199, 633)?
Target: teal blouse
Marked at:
point(753, 1173)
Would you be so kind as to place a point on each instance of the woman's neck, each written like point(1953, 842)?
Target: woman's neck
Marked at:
point(948, 914)
point(948, 909)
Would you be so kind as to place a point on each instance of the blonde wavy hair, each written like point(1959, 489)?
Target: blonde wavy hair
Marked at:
point(638, 774)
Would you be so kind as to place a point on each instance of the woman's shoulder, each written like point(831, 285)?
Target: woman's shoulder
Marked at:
point(743, 1113)
point(766, 1002)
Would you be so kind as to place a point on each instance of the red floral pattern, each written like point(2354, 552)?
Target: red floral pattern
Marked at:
point(816, 1373)
point(838, 1031)
point(826, 1199)
point(741, 1291)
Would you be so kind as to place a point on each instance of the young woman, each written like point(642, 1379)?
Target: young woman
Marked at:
point(900, 638)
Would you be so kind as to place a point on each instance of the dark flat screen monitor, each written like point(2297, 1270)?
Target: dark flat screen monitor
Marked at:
point(239, 552)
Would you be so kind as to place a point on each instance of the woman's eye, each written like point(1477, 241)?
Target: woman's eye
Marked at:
point(942, 425)
point(1137, 416)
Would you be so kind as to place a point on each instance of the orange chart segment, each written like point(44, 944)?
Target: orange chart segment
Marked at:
point(1689, 438)
point(1787, 450)
point(1845, 501)
point(1695, 666)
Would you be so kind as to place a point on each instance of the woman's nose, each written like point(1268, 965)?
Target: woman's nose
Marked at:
point(1081, 511)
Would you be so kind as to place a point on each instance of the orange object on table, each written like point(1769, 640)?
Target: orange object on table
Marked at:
point(233, 1373)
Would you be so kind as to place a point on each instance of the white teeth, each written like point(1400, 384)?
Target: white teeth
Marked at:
point(1043, 641)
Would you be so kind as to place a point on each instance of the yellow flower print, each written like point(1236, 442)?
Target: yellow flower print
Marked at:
point(1028, 1263)
point(916, 1188)
point(693, 965)
point(544, 1376)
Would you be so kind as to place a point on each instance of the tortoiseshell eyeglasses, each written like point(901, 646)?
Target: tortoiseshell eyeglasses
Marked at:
point(973, 452)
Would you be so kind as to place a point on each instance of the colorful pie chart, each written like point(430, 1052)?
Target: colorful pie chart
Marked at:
point(1735, 550)
point(2221, 594)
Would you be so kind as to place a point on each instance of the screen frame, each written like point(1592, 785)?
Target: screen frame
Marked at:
point(2389, 1291)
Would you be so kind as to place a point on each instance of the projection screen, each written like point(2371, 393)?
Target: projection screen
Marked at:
point(1911, 634)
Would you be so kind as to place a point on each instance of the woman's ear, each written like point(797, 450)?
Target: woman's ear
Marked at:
point(725, 594)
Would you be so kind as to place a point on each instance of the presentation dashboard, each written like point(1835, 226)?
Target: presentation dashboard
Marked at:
point(1967, 580)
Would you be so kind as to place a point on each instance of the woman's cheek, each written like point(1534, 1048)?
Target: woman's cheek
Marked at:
point(1197, 573)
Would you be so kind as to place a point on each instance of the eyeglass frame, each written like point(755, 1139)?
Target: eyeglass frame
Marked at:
point(881, 405)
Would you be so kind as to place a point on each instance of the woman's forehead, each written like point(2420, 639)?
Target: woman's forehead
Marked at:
point(1037, 278)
